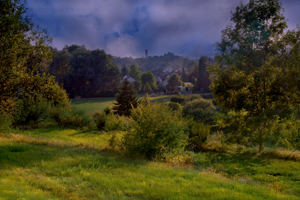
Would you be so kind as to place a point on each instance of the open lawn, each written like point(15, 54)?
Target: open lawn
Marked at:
point(66, 163)
point(92, 106)
point(76, 164)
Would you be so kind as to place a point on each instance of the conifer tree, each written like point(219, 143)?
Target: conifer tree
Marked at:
point(124, 71)
point(126, 99)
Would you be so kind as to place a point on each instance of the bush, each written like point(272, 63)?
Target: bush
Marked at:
point(75, 118)
point(100, 120)
point(116, 122)
point(177, 99)
point(200, 110)
point(207, 96)
point(107, 110)
point(216, 142)
point(5, 122)
point(192, 97)
point(155, 130)
point(175, 106)
point(198, 133)
point(32, 110)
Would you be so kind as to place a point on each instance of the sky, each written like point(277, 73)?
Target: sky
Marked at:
point(126, 28)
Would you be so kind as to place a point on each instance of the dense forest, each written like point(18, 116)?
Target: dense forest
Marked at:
point(94, 73)
point(152, 62)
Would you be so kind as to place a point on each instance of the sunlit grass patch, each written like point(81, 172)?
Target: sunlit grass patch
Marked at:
point(91, 106)
point(75, 164)
point(52, 172)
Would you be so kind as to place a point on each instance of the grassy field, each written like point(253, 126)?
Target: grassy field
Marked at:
point(92, 106)
point(65, 163)
point(76, 164)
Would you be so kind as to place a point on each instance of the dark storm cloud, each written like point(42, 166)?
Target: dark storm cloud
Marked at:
point(126, 28)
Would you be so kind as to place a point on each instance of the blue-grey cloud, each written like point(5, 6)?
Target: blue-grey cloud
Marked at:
point(126, 28)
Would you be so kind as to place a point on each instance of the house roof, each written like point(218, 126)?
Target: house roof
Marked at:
point(131, 79)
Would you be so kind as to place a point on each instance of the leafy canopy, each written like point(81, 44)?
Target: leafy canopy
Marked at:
point(255, 81)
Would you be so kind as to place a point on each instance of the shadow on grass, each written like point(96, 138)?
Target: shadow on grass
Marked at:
point(100, 100)
point(14, 154)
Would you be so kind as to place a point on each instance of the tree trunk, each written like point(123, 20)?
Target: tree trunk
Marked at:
point(261, 147)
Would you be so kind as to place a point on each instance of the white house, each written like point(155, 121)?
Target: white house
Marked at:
point(130, 79)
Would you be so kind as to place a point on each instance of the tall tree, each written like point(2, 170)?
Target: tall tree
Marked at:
point(255, 82)
point(174, 80)
point(126, 99)
point(22, 48)
point(135, 73)
point(148, 78)
point(124, 71)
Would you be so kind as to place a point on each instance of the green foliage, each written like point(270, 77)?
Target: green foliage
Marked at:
point(191, 97)
point(155, 130)
point(107, 110)
point(198, 133)
point(177, 99)
point(174, 80)
point(134, 72)
point(100, 77)
point(100, 119)
point(124, 71)
point(23, 48)
point(289, 136)
point(175, 106)
point(194, 80)
point(5, 122)
point(126, 99)
point(146, 88)
point(32, 110)
point(200, 110)
point(117, 123)
point(75, 118)
point(255, 77)
point(148, 80)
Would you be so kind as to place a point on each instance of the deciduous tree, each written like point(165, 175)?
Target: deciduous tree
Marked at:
point(255, 81)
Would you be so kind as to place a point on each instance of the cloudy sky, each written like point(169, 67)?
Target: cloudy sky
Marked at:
point(127, 27)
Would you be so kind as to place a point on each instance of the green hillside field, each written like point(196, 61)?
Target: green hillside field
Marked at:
point(67, 163)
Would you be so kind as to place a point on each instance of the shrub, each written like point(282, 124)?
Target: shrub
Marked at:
point(200, 110)
point(177, 99)
point(5, 122)
point(207, 96)
point(115, 122)
point(216, 142)
point(75, 118)
point(175, 106)
point(192, 97)
point(198, 133)
point(107, 110)
point(100, 120)
point(155, 130)
point(32, 110)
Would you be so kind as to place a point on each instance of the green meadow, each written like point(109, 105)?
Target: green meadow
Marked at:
point(66, 163)
point(92, 106)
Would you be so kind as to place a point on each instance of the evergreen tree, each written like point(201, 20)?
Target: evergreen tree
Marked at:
point(126, 99)
point(201, 72)
point(124, 71)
